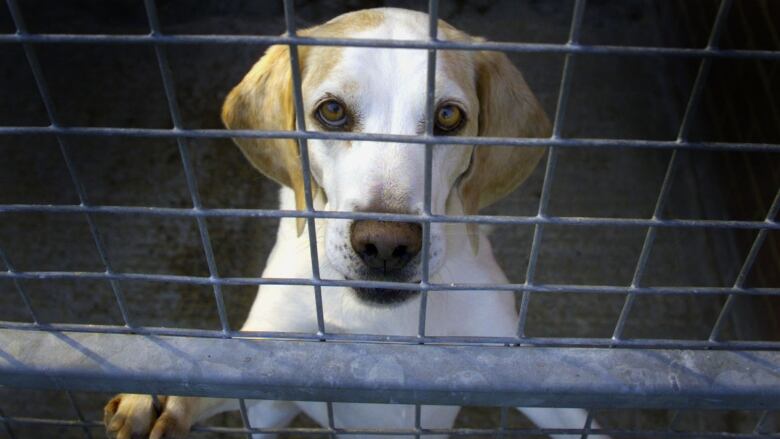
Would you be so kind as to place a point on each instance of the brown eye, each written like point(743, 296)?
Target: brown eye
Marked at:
point(332, 114)
point(449, 117)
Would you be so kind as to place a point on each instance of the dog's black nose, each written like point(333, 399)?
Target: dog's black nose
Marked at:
point(386, 245)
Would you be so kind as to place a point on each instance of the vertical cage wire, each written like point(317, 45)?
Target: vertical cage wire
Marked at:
point(244, 417)
point(303, 145)
point(682, 136)
point(48, 103)
point(744, 271)
point(184, 154)
point(430, 102)
point(552, 159)
point(331, 419)
point(417, 420)
point(79, 414)
point(20, 289)
point(7, 425)
point(761, 424)
point(586, 429)
point(502, 422)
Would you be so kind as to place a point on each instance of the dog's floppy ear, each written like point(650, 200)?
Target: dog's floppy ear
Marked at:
point(263, 100)
point(507, 108)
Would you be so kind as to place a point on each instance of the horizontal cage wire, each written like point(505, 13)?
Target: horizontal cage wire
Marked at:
point(713, 382)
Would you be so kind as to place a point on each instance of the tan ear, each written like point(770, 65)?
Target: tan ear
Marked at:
point(507, 108)
point(263, 100)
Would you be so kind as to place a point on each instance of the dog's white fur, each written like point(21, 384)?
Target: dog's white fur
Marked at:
point(386, 88)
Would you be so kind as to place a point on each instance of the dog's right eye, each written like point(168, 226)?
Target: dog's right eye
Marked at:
point(332, 114)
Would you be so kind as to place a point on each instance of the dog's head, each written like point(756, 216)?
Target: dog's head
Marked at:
point(370, 90)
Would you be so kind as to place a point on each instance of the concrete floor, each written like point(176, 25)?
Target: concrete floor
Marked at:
point(103, 86)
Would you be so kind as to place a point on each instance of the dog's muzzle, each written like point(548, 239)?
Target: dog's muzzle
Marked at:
point(386, 249)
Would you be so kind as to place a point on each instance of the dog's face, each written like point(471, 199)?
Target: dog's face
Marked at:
point(370, 90)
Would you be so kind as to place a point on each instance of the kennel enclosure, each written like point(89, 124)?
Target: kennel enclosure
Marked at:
point(619, 369)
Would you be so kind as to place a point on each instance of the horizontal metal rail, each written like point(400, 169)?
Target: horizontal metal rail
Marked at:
point(391, 373)
point(474, 341)
point(481, 219)
point(396, 138)
point(408, 286)
point(568, 48)
point(321, 431)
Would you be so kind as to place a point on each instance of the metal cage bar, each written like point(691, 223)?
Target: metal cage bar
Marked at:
point(245, 417)
point(580, 142)
point(20, 289)
point(192, 183)
point(430, 374)
point(79, 413)
point(552, 158)
point(430, 101)
point(264, 40)
point(464, 432)
point(6, 425)
point(744, 271)
point(481, 219)
point(760, 424)
point(682, 136)
point(303, 145)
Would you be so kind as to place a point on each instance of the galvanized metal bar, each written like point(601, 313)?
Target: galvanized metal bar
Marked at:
point(78, 412)
point(682, 136)
point(481, 219)
point(430, 117)
point(48, 103)
point(761, 424)
point(502, 422)
point(675, 419)
point(244, 417)
point(744, 271)
point(331, 419)
point(647, 246)
point(582, 143)
point(264, 40)
point(483, 341)
point(586, 430)
point(18, 285)
point(303, 145)
point(6, 425)
point(519, 432)
point(397, 373)
point(189, 173)
point(704, 69)
point(543, 288)
point(552, 158)
point(417, 420)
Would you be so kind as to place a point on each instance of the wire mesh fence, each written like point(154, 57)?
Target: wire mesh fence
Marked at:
point(721, 373)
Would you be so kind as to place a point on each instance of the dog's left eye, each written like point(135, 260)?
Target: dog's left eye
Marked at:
point(332, 114)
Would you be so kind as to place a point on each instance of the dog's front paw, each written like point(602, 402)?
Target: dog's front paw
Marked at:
point(129, 416)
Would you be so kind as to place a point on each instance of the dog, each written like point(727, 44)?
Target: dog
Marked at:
point(353, 89)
